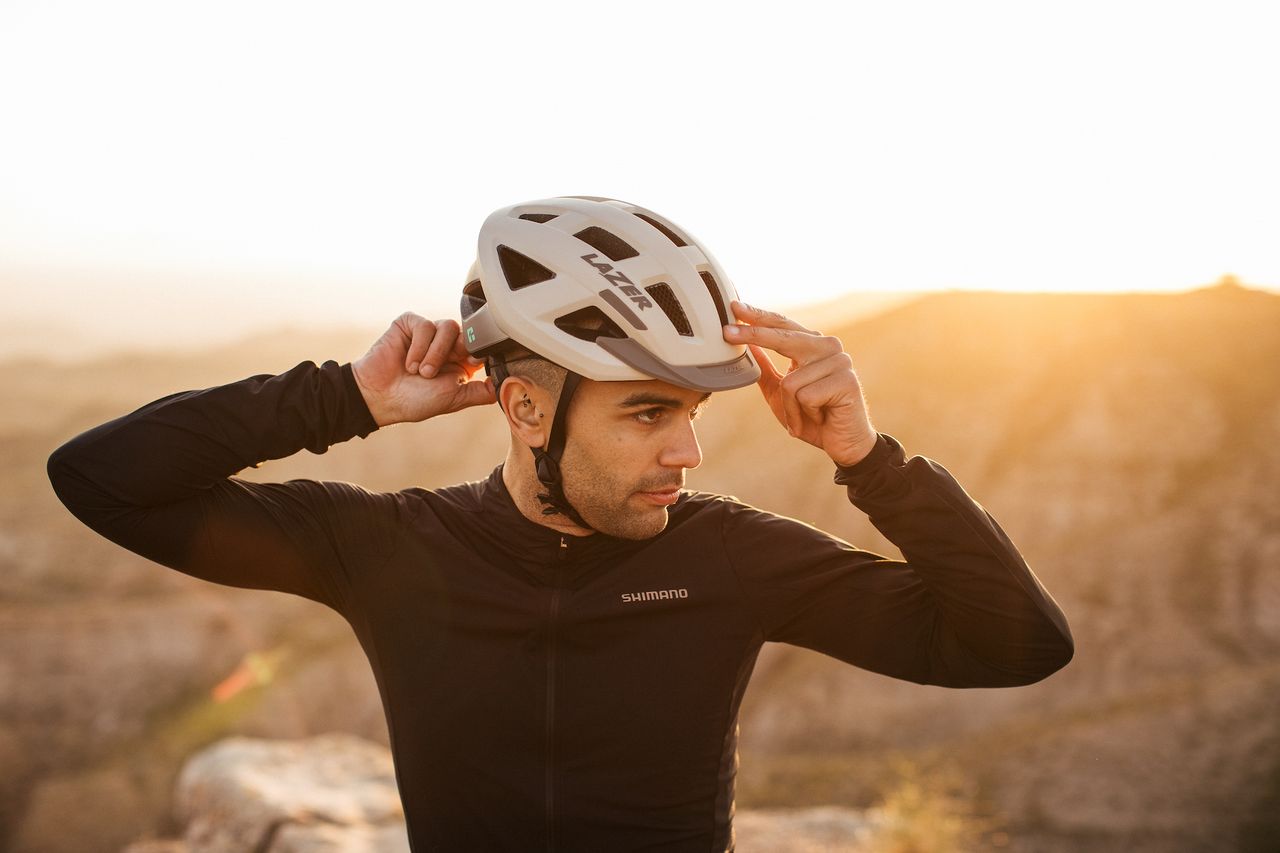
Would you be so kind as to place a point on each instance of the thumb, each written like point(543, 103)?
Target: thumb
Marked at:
point(770, 378)
point(475, 393)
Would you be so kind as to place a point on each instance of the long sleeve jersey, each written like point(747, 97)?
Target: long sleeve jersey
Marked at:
point(545, 691)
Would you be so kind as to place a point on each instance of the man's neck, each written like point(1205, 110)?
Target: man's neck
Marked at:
point(524, 487)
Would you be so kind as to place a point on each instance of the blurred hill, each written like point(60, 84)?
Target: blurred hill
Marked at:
point(87, 335)
point(1127, 443)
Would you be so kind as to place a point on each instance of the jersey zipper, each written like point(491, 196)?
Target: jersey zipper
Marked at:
point(551, 691)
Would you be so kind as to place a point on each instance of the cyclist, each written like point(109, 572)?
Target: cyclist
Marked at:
point(562, 647)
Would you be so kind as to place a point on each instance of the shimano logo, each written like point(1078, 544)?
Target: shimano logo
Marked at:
point(655, 595)
point(619, 280)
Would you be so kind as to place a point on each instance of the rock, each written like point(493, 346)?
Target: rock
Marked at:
point(87, 810)
point(341, 839)
point(337, 794)
point(157, 845)
point(328, 793)
point(826, 829)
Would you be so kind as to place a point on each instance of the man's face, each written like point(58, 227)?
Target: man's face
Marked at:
point(627, 439)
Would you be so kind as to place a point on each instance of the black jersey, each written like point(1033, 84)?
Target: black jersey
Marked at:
point(544, 691)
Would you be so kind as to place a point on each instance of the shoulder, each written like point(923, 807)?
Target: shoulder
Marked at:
point(694, 500)
point(459, 497)
point(338, 498)
point(739, 518)
point(466, 497)
point(705, 506)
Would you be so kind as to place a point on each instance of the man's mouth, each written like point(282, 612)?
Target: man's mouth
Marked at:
point(664, 496)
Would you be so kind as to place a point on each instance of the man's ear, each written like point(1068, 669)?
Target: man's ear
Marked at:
point(524, 404)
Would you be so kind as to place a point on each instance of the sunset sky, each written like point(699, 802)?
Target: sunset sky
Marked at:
point(176, 171)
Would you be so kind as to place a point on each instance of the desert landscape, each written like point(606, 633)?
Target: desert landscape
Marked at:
point(1128, 443)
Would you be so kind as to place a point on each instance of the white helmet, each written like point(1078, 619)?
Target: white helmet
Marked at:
point(607, 289)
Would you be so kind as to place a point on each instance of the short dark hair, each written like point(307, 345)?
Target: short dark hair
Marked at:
point(544, 373)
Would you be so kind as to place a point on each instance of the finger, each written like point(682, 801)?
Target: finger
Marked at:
point(475, 393)
point(816, 397)
point(441, 344)
point(799, 386)
point(791, 408)
point(809, 401)
point(769, 383)
point(801, 347)
point(760, 317)
point(769, 375)
point(464, 372)
point(423, 331)
point(815, 371)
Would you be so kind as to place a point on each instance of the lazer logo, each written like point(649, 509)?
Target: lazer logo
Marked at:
point(619, 280)
point(655, 595)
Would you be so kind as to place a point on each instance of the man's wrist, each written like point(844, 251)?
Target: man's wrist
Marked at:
point(859, 454)
point(876, 456)
point(373, 403)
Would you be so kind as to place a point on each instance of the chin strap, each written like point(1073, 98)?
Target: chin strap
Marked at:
point(547, 460)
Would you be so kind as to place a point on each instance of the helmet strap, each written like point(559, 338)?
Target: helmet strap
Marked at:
point(547, 461)
point(497, 368)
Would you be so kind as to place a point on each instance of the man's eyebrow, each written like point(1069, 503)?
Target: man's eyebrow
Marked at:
point(642, 398)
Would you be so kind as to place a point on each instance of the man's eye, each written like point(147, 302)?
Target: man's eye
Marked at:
point(644, 416)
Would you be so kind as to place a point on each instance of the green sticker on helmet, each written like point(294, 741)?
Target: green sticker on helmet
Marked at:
point(471, 334)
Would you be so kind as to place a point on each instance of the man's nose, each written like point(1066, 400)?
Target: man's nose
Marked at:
point(683, 450)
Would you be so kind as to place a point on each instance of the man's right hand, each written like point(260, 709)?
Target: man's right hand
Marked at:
point(418, 369)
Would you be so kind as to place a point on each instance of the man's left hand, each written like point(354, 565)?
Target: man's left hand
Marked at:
point(819, 399)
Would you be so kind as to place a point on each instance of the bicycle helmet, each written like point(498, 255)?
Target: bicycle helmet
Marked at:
point(608, 290)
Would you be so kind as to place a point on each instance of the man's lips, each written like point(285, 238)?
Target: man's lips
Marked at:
point(665, 496)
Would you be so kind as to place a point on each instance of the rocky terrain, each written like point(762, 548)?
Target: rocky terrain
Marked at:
point(337, 793)
point(1129, 444)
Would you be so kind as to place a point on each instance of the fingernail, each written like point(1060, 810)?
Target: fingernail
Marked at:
point(413, 368)
point(732, 331)
point(428, 370)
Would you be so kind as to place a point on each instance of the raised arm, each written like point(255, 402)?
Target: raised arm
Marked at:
point(962, 610)
point(159, 481)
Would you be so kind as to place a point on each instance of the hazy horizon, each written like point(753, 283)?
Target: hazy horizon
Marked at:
point(133, 315)
point(155, 191)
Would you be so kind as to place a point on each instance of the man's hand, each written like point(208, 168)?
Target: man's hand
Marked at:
point(819, 399)
point(418, 369)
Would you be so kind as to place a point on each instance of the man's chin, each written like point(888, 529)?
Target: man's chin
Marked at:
point(645, 525)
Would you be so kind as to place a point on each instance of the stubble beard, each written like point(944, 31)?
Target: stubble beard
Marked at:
point(605, 502)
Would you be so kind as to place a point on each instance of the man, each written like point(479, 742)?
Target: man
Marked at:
point(562, 647)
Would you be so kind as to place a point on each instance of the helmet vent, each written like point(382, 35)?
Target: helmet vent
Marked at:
point(671, 235)
point(472, 298)
point(589, 323)
point(670, 305)
point(603, 241)
point(521, 270)
point(538, 217)
point(714, 290)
